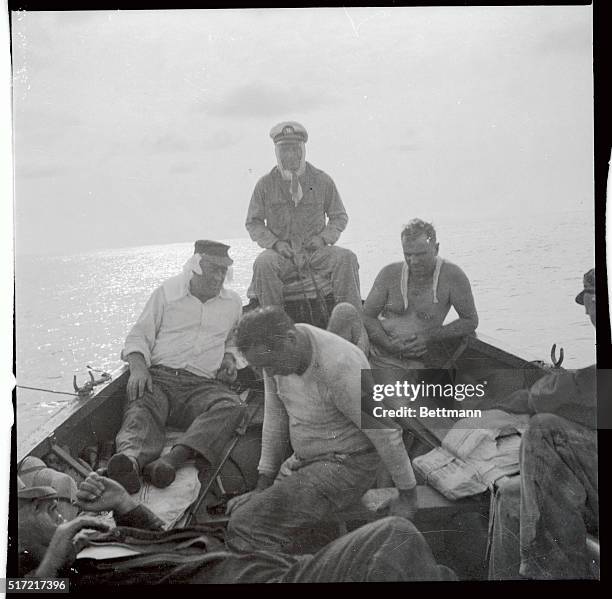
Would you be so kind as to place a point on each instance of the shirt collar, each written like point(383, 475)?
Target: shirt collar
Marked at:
point(223, 294)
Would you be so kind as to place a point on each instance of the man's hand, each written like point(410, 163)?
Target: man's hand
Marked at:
point(284, 249)
point(414, 347)
point(98, 493)
point(227, 372)
point(140, 379)
point(315, 243)
point(63, 547)
point(406, 505)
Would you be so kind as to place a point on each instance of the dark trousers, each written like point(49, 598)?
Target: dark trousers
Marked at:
point(300, 497)
point(206, 409)
point(540, 520)
point(558, 497)
point(389, 550)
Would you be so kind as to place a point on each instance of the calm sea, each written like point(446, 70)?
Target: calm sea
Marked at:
point(74, 311)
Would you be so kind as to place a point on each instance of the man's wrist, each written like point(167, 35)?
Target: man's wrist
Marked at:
point(126, 504)
point(136, 361)
point(48, 568)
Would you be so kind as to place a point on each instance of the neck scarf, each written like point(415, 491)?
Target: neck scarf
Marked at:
point(178, 287)
point(295, 188)
point(406, 274)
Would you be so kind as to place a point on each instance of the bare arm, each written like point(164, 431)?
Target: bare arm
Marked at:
point(462, 301)
point(373, 306)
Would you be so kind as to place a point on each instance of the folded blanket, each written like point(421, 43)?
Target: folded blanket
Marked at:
point(474, 454)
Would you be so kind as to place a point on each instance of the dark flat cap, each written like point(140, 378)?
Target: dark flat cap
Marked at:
point(214, 250)
point(26, 492)
point(588, 282)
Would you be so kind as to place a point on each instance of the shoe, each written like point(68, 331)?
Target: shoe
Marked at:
point(124, 470)
point(159, 473)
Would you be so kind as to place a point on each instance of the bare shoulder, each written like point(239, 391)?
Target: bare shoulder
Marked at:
point(453, 273)
point(390, 274)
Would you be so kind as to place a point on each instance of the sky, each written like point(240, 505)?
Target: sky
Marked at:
point(149, 127)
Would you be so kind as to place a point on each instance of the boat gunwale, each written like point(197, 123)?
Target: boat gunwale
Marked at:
point(39, 440)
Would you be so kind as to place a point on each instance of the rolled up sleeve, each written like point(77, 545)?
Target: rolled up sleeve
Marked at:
point(141, 339)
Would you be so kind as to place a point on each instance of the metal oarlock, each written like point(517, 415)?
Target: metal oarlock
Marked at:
point(553, 356)
point(87, 389)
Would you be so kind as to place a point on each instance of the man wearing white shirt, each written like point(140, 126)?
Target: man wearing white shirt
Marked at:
point(181, 363)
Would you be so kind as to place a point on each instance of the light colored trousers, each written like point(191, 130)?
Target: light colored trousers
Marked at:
point(270, 269)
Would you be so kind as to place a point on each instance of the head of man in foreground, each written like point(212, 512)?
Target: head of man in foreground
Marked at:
point(268, 338)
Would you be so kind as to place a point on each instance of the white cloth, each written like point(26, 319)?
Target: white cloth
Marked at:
point(406, 274)
point(319, 412)
point(294, 187)
point(177, 287)
point(475, 453)
point(179, 331)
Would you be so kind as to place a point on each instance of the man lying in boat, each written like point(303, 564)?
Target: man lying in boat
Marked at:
point(391, 549)
point(313, 391)
point(181, 362)
point(540, 519)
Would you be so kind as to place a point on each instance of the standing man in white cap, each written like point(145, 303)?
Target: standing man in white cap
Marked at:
point(297, 216)
point(181, 363)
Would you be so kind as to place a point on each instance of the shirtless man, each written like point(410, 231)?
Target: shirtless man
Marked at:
point(405, 310)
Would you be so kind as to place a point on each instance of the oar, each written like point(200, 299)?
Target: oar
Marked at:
point(240, 431)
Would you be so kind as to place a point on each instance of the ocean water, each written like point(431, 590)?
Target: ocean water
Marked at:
point(74, 311)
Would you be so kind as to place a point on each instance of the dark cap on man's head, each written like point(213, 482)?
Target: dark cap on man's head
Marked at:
point(288, 132)
point(215, 251)
point(588, 282)
point(26, 492)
